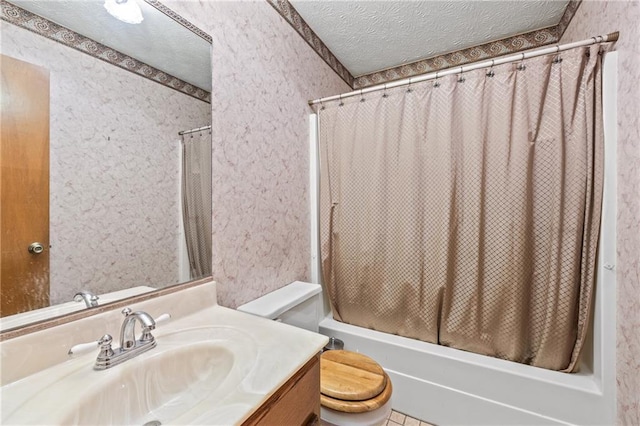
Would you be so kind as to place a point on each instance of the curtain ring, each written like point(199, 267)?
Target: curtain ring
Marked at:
point(361, 98)
point(490, 73)
point(557, 59)
point(436, 83)
point(409, 87)
point(522, 66)
point(321, 105)
point(341, 103)
point(384, 93)
point(461, 79)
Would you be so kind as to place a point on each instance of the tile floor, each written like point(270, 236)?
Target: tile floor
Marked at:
point(397, 418)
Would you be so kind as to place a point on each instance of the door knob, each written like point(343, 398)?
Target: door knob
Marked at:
point(36, 248)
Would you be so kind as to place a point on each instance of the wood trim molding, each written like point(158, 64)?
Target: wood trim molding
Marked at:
point(457, 58)
point(41, 26)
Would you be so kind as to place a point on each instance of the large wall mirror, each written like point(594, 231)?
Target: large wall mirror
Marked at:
point(106, 154)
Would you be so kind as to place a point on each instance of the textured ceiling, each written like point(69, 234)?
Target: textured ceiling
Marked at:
point(369, 36)
point(158, 41)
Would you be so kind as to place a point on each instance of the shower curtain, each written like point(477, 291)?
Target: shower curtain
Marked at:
point(196, 200)
point(465, 211)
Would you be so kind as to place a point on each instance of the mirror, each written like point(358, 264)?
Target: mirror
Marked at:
point(125, 201)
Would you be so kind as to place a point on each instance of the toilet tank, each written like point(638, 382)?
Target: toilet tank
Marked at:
point(297, 304)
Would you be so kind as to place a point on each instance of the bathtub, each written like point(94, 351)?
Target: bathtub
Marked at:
point(447, 386)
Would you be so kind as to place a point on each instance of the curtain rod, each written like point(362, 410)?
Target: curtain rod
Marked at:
point(474, 66)
point(199, 129)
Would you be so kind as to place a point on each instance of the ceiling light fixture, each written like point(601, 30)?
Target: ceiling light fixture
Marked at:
point(125, 10)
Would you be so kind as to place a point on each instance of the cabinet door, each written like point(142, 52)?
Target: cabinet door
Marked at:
point(297, 402)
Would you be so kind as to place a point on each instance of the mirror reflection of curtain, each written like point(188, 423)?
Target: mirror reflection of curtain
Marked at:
point(196, 200)
point(466, 213)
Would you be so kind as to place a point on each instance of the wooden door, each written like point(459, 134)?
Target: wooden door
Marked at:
point(24, 186)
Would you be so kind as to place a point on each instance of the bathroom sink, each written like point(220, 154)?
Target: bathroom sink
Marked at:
point(210, 365)
point(161, 388)
point(173, 383)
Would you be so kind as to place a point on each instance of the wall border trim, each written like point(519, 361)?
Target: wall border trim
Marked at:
point(43, 27)
point(291, 15)
point(179, 19)
point(509, 45)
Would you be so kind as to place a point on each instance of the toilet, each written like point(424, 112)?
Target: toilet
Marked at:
point(355, 390)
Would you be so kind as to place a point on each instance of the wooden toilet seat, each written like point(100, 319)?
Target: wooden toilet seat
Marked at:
point(353, 383)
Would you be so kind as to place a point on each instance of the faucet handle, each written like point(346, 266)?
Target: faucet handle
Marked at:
point(148, 324)
point(162, 318)
point(82, 348)
point(146, 330)
point(105, 346)
point(126, 312)
point(146, 335)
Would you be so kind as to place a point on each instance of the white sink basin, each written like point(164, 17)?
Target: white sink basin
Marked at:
point(173, 383)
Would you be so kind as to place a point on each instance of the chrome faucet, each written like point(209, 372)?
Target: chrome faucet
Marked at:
point(127, 331)
point(129, 346)
point(90, 299)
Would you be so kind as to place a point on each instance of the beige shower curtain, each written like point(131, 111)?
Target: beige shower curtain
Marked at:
point(466, 211)
point(196, 200)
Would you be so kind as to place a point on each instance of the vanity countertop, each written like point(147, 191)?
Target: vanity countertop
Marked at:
point(267, 354)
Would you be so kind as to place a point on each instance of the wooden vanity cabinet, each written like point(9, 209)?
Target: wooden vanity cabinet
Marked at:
point(295, 403)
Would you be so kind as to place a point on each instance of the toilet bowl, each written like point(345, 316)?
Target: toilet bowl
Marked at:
point(355, 390)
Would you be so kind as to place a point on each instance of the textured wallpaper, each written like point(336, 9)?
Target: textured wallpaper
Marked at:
point(263, 75)
point(114, 213)
point(591, 19)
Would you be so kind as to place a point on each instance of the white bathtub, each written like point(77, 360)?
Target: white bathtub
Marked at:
point(447, 386)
